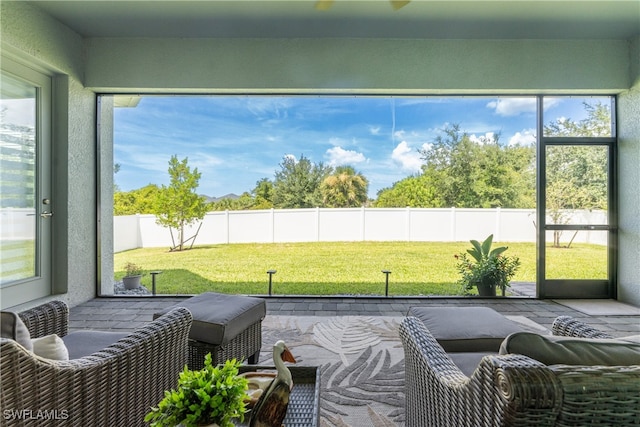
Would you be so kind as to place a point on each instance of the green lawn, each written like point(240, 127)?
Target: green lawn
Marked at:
point(338, 268)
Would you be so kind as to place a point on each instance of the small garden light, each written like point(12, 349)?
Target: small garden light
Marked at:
point(270, 273)
point(386, 288)
point(153, 280)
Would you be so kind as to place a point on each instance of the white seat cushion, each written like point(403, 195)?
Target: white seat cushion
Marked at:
point(50, 347)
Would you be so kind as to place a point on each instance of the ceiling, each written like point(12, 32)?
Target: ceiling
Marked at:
point(452, 19)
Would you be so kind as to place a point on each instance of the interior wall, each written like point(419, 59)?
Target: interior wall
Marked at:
point(357, 65)
point(38, 41)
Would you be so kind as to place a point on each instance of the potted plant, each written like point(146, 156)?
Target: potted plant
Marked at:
point(486, 269)
point(132, 277)
point(214, 395)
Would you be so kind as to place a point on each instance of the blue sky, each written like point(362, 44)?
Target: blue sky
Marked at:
point(234, 141)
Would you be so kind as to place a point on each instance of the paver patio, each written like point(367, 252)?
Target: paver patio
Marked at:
point(127, 313)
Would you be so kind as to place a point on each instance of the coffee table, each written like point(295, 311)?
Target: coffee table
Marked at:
point(304, 401)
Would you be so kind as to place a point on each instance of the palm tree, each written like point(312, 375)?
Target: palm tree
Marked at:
point(344, 188)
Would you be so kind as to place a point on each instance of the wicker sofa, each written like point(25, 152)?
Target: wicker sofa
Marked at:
point(113, 387)
point(514, 390)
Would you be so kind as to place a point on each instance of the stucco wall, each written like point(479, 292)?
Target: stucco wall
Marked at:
point(33, 38)
point(360, 65)
point(106, 186)
point(629, 175)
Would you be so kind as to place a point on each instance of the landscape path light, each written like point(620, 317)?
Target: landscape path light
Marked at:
point(153, 281)
point(270, 273)
point(386, 287)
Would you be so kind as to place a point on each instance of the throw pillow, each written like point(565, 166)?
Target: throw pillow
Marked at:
point(556, 350)
point(50, 347)
point(12, 327)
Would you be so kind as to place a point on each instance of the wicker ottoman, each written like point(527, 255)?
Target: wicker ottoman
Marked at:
point(227, 326)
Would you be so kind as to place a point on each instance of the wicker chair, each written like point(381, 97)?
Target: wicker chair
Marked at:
point(514, 390)
point(114, 387)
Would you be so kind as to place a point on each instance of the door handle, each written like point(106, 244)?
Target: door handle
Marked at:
point(46, 214)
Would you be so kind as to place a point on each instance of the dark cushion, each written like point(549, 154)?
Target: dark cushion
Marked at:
point(85, 343)
point(219, 318)
point(554, 350)
point(12, 327)
point(468, 362)
point(466, 329)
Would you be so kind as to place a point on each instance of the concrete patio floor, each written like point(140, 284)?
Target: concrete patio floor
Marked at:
point(127, 313)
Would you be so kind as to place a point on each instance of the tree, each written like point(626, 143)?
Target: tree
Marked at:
point(140, 201)
point(478, 174)
point(297, 183)
point(414, 191)
point(178, 205)
point(597, 123)
point(344, 188)
point(576, 174)
point(263, 194)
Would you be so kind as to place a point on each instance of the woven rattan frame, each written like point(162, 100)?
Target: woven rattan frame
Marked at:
point(512, 390)
point(567, 326)
point(47, 319)
point(244, 347)
point(114, 387)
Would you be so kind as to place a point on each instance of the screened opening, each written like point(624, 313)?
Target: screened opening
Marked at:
point(331, 191)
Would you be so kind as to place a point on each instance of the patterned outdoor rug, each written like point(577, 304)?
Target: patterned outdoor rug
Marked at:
point(361, 363)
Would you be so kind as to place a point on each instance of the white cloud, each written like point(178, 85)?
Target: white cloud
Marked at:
point(513, 106)
point(268, 107)
point(374, 130)
point(526, 137)
point(144, 159)
point(339, 156)
point(399, 134)
point(550, 102)
point(203, 161)
point(337, 141)
point(487, 137)
point(508, 107)
point(291, 157)
point(408, 158)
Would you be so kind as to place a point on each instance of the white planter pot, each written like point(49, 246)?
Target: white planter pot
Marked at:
point(132, 282)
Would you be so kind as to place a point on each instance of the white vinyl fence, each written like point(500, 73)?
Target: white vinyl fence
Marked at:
point(356, 224)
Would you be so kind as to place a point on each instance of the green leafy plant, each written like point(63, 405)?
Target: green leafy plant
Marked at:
point(214, 394)
point(486, 266)
point(132, 269)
